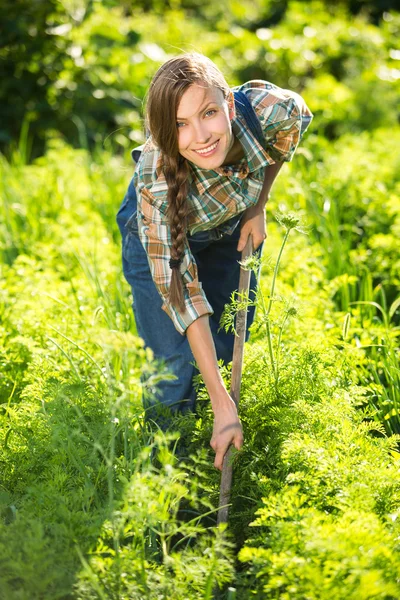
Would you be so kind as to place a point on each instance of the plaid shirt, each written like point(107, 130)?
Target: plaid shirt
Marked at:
point(215, 196)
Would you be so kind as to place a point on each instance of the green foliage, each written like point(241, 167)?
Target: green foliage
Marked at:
point(327, 523)
point(81, 70)
point(331, 529)
point(76, 484)
point(74, 481)
point(91, 504)
point(316, 468)
point(350, 193)
point(318, 556)
point(187, 559)
point(23, 52)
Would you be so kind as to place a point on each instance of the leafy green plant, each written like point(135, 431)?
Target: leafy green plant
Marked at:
point(187, 559)
point(289, 222)
point(331, 527)
point(84, 510)
point(382, 366)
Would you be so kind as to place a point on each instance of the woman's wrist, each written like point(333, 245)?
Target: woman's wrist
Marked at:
point(220, 400)
point(262, 202)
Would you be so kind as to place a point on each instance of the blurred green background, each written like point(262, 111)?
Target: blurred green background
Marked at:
point(79, 69)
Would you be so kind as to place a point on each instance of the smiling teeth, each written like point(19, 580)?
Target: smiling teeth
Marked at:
point(206, 150)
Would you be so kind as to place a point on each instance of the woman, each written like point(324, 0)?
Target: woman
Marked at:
point(199, 191)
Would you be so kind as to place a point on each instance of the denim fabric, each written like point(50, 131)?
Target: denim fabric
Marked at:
point(217, 261)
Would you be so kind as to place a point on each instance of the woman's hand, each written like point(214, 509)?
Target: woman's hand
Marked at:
point(227, 430)
point(254, 223)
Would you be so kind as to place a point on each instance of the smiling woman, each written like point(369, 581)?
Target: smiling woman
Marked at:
point(199, 191)
point(205, 136)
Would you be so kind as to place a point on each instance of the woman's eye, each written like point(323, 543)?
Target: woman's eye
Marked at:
point(210, 112)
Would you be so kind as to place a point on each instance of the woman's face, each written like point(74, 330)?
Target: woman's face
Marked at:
point(204, 126)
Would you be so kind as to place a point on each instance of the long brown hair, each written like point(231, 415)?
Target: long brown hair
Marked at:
point(170, 82)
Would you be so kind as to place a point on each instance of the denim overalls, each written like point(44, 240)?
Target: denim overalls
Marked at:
point(217, 259)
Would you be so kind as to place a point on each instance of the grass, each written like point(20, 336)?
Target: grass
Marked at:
point(85, 512)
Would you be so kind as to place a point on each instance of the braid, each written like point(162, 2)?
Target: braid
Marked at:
point(176, 171)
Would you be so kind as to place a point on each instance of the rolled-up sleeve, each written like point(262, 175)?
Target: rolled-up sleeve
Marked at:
point(284, 117)
point(155, 236)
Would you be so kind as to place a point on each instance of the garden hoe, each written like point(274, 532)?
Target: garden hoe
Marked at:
point(237, 366)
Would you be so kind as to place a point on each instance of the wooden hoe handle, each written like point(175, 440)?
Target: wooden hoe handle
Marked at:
point(236, 379)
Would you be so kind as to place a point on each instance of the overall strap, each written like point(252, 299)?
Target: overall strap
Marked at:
point(136, 152)
point(243, 105)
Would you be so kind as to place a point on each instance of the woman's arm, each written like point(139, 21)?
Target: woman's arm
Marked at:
point(227, 428)
point(253, 222)
point(270, 174)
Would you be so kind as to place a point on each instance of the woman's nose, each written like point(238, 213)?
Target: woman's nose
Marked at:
point(201, 133)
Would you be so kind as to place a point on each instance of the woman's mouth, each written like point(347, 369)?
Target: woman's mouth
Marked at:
point(208, 151)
